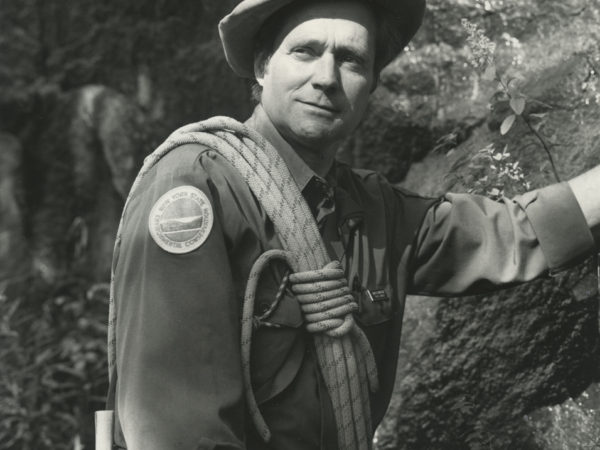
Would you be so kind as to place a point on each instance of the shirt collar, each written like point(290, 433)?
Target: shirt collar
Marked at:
point(300, 171)
point(345, 205)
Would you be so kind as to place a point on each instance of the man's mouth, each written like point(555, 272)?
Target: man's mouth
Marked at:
point(325, 107)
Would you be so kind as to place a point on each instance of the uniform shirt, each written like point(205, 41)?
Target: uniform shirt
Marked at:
point(179, 376)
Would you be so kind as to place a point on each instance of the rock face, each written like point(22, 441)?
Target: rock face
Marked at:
point(473, 367)
point(97, 110)
point(13, 246)
point(80, 167)
point(480, 372)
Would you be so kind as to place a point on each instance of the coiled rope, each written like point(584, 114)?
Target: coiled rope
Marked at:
point(326, 302)
point(343, 351)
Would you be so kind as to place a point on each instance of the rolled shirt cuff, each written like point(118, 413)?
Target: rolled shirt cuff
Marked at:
point(559, 224)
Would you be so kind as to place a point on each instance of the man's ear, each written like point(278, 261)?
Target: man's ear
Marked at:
point(260, 67)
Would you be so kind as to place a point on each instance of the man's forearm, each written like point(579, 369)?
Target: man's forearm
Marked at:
point(586, 188)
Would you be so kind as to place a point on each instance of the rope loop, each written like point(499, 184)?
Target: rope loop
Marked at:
point(248, 325)
point(325, 299)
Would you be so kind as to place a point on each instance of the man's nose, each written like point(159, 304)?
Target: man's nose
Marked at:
point(326, 74)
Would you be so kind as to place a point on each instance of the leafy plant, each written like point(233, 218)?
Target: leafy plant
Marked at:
point(52, 365)
point(490, 172)
point(573, 424)
point(483, 60)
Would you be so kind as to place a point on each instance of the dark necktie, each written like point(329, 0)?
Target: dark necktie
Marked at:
point(320, 198)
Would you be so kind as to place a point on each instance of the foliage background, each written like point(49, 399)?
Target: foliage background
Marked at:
point(87, 89)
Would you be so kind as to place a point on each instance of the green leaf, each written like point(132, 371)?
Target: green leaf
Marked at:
point(507, 124)
point(517, 105)
point(490, 73)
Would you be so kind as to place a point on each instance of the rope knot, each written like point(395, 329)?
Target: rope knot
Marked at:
point(325, 299)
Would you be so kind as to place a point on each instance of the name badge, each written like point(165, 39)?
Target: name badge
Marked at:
point(377, 296)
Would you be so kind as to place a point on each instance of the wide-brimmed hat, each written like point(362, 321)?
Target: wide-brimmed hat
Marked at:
point(240, 28)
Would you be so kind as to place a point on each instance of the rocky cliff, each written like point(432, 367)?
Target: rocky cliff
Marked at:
point(482, 372)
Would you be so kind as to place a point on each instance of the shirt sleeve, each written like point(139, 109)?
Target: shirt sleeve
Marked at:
point(469, 244)
point(179, 376)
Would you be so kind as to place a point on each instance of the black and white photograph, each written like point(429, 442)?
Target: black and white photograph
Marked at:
point(299, 225)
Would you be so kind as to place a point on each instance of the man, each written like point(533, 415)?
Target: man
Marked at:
point(193, 228)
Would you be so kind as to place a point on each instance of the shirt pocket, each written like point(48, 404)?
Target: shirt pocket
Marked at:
point(277, 345)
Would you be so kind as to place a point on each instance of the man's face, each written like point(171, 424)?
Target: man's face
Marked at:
point(316, 83)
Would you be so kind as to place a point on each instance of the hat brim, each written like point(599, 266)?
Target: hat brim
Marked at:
point(239, 29)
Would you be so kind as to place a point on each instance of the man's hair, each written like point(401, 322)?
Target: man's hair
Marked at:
point(388, 34)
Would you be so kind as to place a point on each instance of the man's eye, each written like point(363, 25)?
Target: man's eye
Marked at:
point(352, 59)
point(303, 51)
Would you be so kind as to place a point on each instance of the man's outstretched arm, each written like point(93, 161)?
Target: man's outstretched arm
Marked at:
point(469, 244)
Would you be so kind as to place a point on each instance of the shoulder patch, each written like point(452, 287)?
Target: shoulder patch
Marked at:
point(181, 220)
